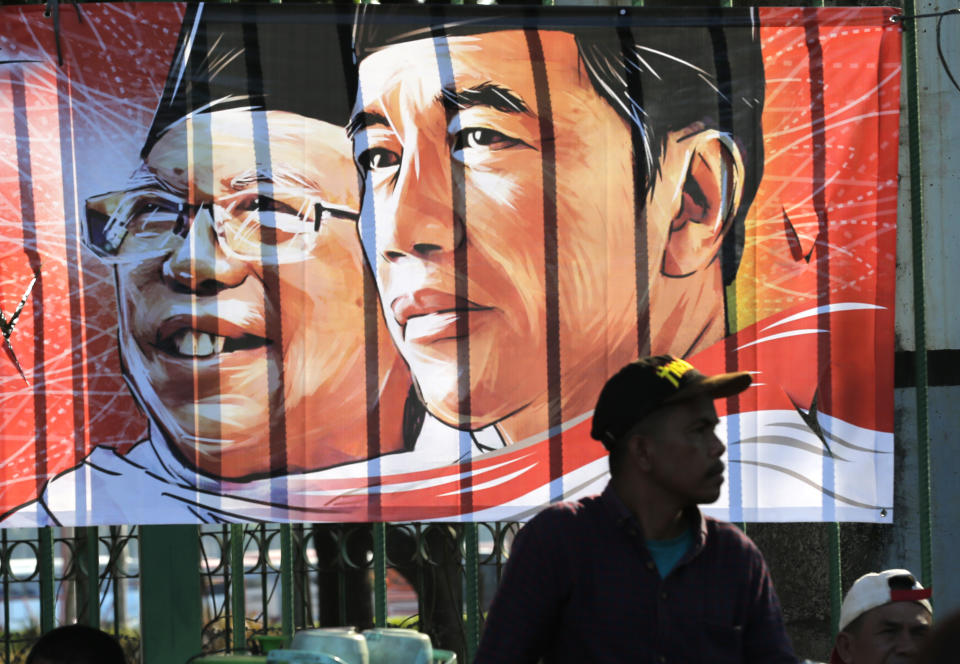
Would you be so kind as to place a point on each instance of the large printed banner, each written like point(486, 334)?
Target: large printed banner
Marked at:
point(311, 263)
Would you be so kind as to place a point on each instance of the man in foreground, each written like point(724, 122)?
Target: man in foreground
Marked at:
point(883, 619)
point(638, 574)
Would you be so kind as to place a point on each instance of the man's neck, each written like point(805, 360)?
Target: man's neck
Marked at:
point(661, 517)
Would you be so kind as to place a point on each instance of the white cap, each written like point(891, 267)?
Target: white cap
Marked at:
point(873, 590)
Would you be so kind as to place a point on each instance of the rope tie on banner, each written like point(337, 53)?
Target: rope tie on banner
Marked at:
point(53, 9)
point(900, 18)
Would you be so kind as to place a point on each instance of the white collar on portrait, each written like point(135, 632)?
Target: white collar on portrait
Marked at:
point(437, 445)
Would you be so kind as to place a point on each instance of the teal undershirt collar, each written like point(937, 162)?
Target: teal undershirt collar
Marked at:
point(667, 553)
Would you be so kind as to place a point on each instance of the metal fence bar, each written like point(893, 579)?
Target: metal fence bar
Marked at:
point(5, 557)
point(836, 579)
point(380, 574)
point(286, 580)
point(912, 73)
point(238, 606)
point(170, 612)
point(48, 597)
point(833, 541)
point(471, 543)
point(88, 575)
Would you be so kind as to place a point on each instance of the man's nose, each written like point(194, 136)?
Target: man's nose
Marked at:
point(199, 265)
point(426, 219)
point(717, 448)
point(907, 643)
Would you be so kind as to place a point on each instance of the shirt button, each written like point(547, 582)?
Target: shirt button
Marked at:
point(650, 564)
point(663, 596)
point(661, 659)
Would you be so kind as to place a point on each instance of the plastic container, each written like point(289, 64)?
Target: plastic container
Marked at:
point(343, 642)
point(301, 657)
point(444, 656)
point(269, 642)
point(398, 646)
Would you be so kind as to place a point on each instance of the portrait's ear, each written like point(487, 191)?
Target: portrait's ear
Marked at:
point(709, 186)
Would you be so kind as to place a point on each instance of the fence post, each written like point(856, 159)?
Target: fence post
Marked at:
point(238, 604)
point(472, 573)
point(912, 73)
point(836, 580)
point(48, 593)
point(380, 574)
point(286, 581)
point(87, 563)
point(170, 613)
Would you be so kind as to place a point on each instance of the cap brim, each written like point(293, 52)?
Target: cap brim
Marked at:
point(715, 387)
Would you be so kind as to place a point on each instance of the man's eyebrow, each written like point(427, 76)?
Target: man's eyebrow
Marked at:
point(494, 96)
point(274, 175)
point(364, 119)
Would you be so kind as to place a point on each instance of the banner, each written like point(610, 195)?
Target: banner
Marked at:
point(315, 263)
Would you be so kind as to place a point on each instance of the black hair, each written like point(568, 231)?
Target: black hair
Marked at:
point(653, 67)
point(263, 57)
point(76, 644)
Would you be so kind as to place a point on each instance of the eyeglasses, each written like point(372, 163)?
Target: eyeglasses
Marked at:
point(146, 223)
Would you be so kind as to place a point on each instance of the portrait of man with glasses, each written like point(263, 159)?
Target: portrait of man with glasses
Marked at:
point(246, 312)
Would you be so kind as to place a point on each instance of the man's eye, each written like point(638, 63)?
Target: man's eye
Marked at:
point(263, 203)
point(477, 137)
point(376, 158)
point(154, 207)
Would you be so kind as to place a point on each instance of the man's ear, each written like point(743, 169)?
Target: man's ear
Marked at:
point(638, 452)
point(709, 189)
point(845, 647)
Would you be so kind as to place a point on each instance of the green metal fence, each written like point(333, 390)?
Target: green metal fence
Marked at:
point(218, 588)
point(211, 589)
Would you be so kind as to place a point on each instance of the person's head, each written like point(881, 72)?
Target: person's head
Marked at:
point(510, 180)
point(240, 287)
point(883, 619)
point(656, 418)
point(244, 299)
point(76, 644)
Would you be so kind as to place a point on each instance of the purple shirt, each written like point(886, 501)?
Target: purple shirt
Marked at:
point(581, 586)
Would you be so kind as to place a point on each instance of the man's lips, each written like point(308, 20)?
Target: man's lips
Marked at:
point(716, 472)
point(428, 315)
point(206, 336)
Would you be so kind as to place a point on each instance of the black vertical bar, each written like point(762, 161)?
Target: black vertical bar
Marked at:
point(271, 274)
point(31, 249)
point(824, 355)
point(5, 572)
point(548, 166)
point(197, 95)
point(640, 185)
point(724, 79)
point(71, 232)
point(461, 263)
point(371, 306)
point(819, 142)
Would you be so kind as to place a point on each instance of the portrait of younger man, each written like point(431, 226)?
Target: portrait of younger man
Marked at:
point(543, 205)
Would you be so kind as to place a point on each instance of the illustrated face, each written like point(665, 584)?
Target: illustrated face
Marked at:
point(241, 325)
point(888, 634)
point(685, 451)
point(460, 183)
